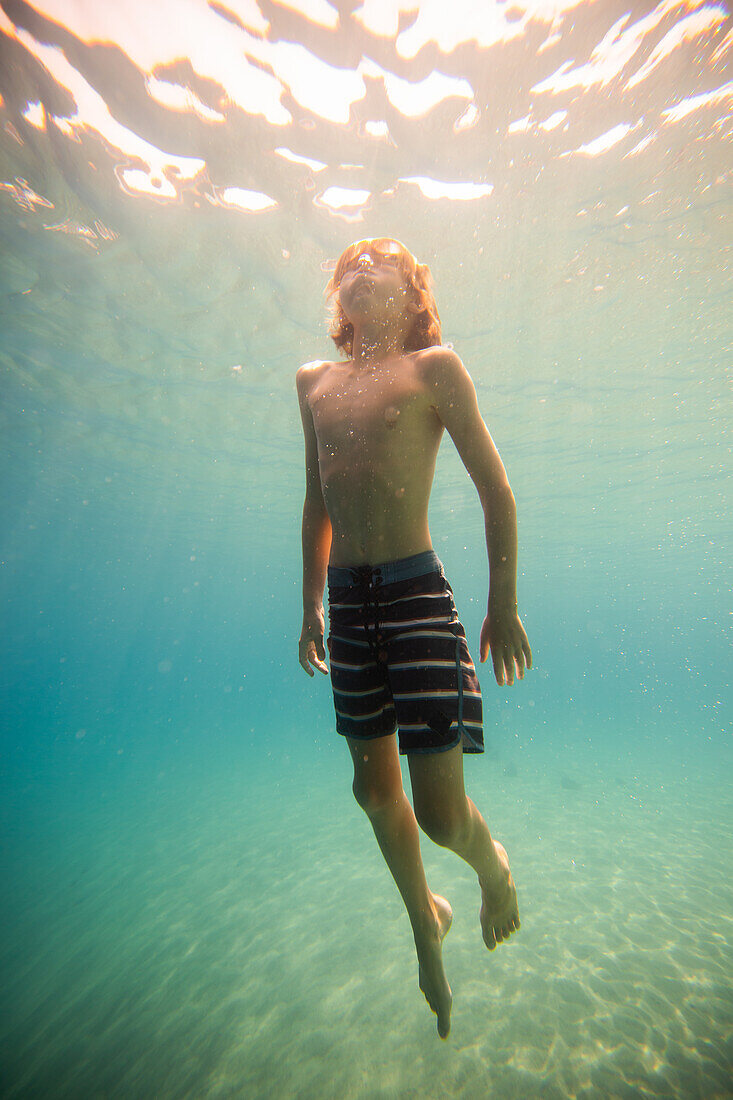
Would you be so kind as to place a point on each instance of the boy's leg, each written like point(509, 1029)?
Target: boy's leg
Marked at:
point(451, 819)
point(378, 790)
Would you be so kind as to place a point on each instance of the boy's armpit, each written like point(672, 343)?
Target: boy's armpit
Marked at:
point(453, 396)
point(454, 400)
point(304, 378)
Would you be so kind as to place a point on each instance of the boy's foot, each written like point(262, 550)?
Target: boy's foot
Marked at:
point(433, 981)
point(499, 912)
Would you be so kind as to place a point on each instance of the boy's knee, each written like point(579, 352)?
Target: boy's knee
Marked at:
point(375, 798)
point(444, 825)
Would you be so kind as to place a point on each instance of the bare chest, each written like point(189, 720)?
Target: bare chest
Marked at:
point(370, 412)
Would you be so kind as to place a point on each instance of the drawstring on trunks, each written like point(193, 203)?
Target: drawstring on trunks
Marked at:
point(368, 581)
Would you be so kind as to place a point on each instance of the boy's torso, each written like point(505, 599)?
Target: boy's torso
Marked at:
point(378, 438)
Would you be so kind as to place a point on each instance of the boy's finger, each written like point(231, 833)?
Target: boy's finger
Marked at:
point(309, 657)
point(316, 659)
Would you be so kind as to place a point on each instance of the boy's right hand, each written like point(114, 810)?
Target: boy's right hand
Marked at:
point(310, 648)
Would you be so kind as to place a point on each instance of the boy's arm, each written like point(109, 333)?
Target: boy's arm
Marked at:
point(316, 538)
point(454, 400)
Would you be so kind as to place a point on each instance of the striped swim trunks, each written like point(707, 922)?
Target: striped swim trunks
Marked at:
point(399, 657)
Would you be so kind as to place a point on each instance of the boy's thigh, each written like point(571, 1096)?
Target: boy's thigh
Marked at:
point(437, 782)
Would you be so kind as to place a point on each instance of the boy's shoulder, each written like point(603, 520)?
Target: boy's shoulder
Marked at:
point(307, 373)
point(315, 366)
point(438, 355)
point(440, 364)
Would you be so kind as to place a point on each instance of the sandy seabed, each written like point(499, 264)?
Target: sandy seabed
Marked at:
point(255, 946)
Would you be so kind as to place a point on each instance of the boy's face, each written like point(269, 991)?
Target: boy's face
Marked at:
point(372, 281)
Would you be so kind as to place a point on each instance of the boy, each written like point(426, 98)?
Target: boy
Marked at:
point(398, 651)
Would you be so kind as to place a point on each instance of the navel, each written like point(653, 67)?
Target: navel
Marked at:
point(391, 414)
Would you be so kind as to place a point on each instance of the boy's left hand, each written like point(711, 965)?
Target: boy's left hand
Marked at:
point(504, 634)
point(311, 651)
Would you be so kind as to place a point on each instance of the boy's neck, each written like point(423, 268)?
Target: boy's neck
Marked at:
point(374, 345)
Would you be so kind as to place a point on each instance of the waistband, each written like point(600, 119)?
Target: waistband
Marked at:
point(404, 569)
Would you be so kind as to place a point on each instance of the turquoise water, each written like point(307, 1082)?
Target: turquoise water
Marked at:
point(193, 904)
